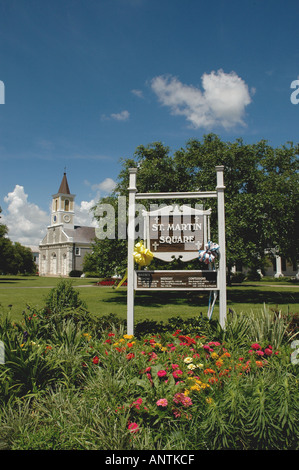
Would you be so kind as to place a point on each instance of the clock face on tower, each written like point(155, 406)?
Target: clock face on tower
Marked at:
point(66, 218)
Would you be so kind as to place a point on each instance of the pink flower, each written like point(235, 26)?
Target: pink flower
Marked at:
point(137, 403)
point(181, 398)
point(259, 353)
point(133, 427)
point(161, 373)
point(162, 402)
point(177, 373)
point(268, 351)
point(255, 346)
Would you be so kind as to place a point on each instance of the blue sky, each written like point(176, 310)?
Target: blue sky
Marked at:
point(86, 82)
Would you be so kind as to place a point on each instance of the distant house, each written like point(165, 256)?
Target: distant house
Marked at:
point(63, 248)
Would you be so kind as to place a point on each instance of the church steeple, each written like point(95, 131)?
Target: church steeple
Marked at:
point(63, 205)
point(64, 187)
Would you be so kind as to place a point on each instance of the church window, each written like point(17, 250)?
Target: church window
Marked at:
point(67, 205)
point(77, 251)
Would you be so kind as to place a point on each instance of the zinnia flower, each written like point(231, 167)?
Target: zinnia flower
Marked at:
point(161, 373)
point(176, 374)
point(162, 402)
point(187, 360)
point(133, 427)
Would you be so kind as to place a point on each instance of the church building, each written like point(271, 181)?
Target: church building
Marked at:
point(63, 248)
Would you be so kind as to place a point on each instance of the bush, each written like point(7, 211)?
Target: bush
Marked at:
point(75, 273)
point(62, 297)
point(238, 277)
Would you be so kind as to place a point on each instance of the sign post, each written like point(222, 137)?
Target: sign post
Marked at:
point(131, 240)
point(221, 241)
point(176, 232)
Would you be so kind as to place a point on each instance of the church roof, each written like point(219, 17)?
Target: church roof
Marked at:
point(81, 234)
point(64, 187)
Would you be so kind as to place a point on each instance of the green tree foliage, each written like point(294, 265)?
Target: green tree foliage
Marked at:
point(14, 257)
point(261, 195)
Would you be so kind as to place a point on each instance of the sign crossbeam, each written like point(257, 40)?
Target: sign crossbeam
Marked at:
point(175, 195)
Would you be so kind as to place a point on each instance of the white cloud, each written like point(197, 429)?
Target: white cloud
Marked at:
point(83, 214)
point(26, 222)
point(221, 103)
point(137, 93)
point(107, 185)
point(122, 116)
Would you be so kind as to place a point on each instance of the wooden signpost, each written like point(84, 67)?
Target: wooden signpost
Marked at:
point(175, 231)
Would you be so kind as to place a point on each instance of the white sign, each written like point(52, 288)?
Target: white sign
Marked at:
point(176, 232)
point(165, 239)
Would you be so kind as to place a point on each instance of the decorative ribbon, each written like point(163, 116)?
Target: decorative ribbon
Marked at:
point(209, 254)
point(142, 256)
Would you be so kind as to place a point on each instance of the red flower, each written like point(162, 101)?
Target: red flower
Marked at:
point(95, 360)
point(130, 356)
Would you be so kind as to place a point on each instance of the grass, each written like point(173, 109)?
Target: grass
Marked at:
point(16, 292)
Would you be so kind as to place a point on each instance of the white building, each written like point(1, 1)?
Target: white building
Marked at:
point(63, 248)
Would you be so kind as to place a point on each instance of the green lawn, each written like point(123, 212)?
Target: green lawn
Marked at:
point(16, 292)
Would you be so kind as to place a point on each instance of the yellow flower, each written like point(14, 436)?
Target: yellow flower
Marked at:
point(209, 400)
point(203, 386)
point(163, 349)
point(196, 387)
point(214, 355)
point(128, 336)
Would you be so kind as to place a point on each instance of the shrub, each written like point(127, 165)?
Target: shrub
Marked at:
point(75, 273)
point(63, 296)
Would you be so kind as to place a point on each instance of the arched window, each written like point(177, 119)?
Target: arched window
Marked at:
point(67, 205)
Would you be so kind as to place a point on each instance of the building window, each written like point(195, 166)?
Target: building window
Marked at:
point(67, 205)
point(77, 251)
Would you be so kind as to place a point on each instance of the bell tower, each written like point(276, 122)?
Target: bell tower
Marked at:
point(63, 206)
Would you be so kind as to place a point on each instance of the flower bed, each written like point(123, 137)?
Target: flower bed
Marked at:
point(177, 376)
point(73, 383)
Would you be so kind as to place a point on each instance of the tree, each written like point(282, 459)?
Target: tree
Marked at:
point(14, 257)
point(261, 195)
